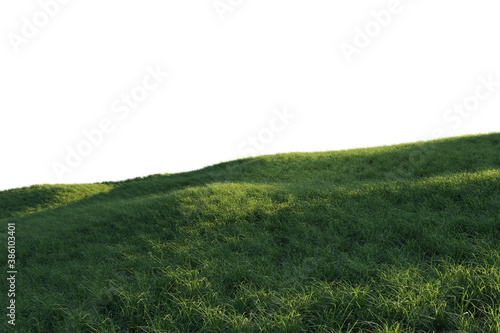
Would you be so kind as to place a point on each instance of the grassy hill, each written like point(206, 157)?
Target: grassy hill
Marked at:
point(401, 238)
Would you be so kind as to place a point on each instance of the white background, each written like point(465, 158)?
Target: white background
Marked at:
point(227, 76)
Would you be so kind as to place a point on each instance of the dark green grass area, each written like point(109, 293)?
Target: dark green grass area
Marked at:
point(392, 239)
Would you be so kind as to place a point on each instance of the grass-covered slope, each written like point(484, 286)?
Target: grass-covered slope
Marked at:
point(392, 239)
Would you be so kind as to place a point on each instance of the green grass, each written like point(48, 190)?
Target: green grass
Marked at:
point(391, 239)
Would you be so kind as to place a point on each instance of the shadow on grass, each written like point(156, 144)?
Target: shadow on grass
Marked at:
point(37, 198)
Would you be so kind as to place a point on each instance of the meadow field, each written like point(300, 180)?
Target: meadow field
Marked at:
point(401, 238)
